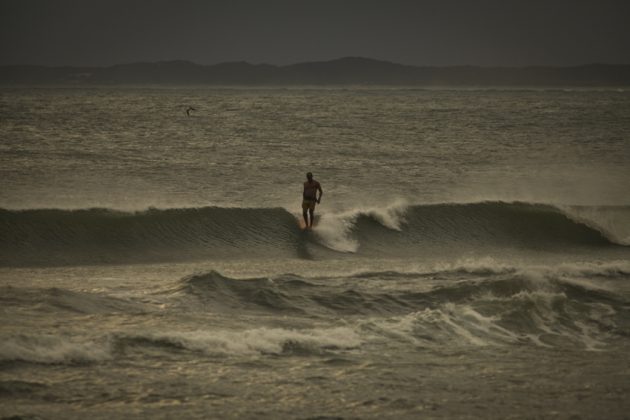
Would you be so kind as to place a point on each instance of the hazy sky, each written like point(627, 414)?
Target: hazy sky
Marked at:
point(421, 32)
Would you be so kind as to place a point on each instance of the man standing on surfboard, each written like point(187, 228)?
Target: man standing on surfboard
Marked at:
point(309, 198)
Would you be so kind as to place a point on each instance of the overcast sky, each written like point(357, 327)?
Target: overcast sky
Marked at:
point(421, 32)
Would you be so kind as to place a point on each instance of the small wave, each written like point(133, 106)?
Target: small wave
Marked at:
point(479, 266)
point(489, 267)
point(53, 349)
point(449, 324)
point(609, 269)
point(254, 341)
point(287, 293)
point(71, 350)
point(258, 293)
point(56, 298)
point(14, 388)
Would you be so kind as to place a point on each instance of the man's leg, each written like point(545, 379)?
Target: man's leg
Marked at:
point(312, 213)
point(305, 215)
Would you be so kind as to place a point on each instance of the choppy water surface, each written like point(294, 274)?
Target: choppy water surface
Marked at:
point(471, 258)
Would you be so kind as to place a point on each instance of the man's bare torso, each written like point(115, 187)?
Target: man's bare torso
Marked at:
point(310, 190)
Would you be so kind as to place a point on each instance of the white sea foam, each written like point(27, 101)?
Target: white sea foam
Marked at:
point(570, 271)
point(392, 216)
point(602, 268)
point(46, 348)
point(335, 229)
point(258, 340)
point(450, 322)
point(481, 265)
point(539, 311)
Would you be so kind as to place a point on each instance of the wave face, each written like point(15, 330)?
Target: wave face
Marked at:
point(95, 236)
point(468, 226)
point(101, 236)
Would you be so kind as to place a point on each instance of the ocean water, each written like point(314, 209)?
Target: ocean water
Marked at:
point(471, 257)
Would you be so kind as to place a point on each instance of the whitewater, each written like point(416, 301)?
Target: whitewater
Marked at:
point(471, 256)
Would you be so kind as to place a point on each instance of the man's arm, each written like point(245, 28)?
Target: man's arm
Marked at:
point(321, 192)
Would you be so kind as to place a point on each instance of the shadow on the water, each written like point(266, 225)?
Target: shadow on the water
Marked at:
point(302, 245)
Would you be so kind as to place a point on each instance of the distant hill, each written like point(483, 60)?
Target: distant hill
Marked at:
point(343, 71)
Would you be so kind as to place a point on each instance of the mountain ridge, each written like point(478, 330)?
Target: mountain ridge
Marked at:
point(340, 71)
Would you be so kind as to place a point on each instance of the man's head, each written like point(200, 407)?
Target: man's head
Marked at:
point(309, 176)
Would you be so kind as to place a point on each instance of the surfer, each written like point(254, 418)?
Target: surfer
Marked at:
point(190, 108)
point(310, 198)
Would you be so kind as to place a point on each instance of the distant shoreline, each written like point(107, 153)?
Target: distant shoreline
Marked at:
point(349, 71)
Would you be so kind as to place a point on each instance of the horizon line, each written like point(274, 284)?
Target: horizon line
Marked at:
point(362, 58)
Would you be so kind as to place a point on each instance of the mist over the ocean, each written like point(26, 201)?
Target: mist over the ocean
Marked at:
point(471, 257)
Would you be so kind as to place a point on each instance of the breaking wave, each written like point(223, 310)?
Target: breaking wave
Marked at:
point(53, 349)
point(251, 341)
point(559, 306)
point(72, 350)
point(101, 236)
point(466, 303)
